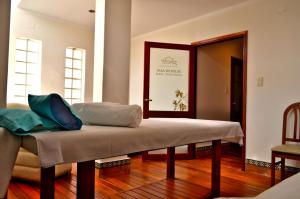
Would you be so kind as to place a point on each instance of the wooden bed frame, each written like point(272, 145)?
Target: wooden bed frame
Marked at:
point(86, 175)
point(190, 154)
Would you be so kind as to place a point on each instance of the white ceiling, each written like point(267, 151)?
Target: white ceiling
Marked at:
point(150, 15)
point(75, 11)
point(147, 15)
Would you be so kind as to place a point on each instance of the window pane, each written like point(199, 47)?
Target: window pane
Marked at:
point(21, 44)
point(68, 83)
point(20, 67)
point(68, 93)
point(19, 90)
point(32, 57)
point(69, 63)
point(33, 46)
point(32, 80)
point(76, 94)
point(19, 99)
point(20, 55)
point(77, 84)
point(32, 68)
point(69, 52)
point(77, 74)
point(68, 73)
point(20, 79)
point(27, 74)
point(73, 74)
point(77, 64)
point(77, 54)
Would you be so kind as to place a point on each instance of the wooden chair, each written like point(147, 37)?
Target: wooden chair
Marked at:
point(290, 148)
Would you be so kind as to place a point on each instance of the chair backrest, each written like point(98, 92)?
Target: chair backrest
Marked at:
point(291, 127)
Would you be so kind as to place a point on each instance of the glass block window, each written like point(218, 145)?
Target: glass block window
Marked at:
point(74, 75)
point(27, 70)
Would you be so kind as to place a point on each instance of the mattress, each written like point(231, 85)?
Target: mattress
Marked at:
point(97, 142)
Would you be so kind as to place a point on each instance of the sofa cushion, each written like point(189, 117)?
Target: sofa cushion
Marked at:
point(18, 106)
point(33, 174)
point(27, 167)
point(27, 159)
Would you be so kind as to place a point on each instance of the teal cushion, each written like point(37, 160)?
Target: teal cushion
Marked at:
point(22, 122)
point(54, 107)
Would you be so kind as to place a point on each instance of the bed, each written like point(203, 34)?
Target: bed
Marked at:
point(96, 142)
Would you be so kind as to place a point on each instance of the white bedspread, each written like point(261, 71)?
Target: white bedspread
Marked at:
point(9, 148)
point(96, 142)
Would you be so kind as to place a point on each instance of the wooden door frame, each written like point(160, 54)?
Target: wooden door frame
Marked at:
point(191, 86)
point(244, 36)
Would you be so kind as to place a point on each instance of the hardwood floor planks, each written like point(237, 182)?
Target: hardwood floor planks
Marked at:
point(148, 180)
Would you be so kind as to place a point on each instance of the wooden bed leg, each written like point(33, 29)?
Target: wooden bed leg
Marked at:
point(47, 186)
point(216, 168)
point(5, 197)
point(86, 180)
point(192, 151)
point(171, 162)
point(144, 155)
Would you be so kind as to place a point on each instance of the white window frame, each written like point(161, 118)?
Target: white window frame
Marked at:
point(37, 74)
point(71, 88)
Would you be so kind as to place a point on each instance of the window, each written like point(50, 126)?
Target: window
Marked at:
point(74, 75)
point(27, 70)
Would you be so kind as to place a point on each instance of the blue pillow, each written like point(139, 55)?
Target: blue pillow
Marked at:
point(54, 107)
point(22, 122)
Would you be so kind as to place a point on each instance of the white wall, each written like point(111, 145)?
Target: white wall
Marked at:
point(4, 44)
point(213, 79)
point(273, 52)
point(56, 36)
point(99, 51)
point(117, 51)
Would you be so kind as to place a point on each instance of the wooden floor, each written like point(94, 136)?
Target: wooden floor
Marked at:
point(147, 180)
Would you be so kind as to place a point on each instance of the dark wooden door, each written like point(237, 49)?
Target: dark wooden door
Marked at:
point(236, 99)
point(169, 80)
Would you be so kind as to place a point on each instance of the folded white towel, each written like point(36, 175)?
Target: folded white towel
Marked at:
point(109, 114)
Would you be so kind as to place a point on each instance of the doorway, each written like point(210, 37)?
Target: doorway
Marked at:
point(236, 90)
point(213, 85)
point(237, 83)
